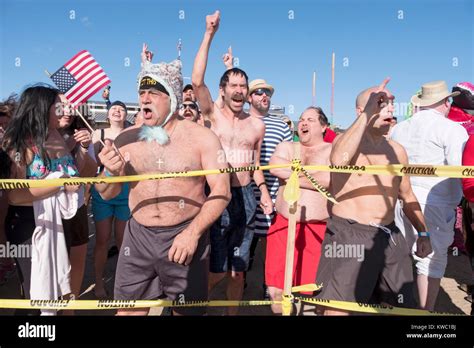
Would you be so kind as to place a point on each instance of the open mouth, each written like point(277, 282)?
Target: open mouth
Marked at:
point(147, 113)
point(304, 131)
point(238, 99)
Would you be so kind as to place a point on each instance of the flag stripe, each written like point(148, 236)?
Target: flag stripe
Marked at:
point(94, 91)
point(91, 84)
point(84, 80)
point(73, 58)
point(80, 66)
point(86, 70)
point(83, 85)
point(77, 61)
point(84, 90)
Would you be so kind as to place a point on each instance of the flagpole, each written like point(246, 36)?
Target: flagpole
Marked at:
point(179, 49)
point(332, 86)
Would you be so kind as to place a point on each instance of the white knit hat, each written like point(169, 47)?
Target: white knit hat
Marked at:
point(170, 77)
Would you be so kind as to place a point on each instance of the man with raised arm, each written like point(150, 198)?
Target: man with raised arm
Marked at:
point(165, 250)
point(241, 137)
point(364, 217)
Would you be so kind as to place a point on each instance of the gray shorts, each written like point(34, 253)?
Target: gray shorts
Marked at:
point(382, 273)
point(145, 273)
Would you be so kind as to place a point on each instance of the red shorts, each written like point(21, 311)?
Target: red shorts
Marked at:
point(309, 238)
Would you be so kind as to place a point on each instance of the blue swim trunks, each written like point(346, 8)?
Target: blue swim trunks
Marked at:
point(117, 206)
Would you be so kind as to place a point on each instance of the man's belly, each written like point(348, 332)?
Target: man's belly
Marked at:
point(366, 209)
point(155, 204)
point(312, 207)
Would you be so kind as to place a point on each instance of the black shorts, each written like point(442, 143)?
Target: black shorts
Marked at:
point(76, 229)
point(381, 273)
point(144, 271)
point(20, 225)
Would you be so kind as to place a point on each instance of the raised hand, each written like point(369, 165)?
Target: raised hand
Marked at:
point(111, 159)
point(146, 55)
point(228, 59)
point(378, 99)
point(212, 22)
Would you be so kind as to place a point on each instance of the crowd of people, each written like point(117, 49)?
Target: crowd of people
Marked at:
point(180, 237)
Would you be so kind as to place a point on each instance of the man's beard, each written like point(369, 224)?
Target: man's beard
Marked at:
point(262, 109)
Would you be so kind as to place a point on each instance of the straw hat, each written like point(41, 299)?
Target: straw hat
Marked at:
point(259, 83)
point(431, 93)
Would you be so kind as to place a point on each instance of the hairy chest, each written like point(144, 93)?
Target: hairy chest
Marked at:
point(239, 135)
point(147, 158)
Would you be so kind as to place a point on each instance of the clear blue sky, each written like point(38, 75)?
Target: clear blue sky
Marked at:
point(280, 41)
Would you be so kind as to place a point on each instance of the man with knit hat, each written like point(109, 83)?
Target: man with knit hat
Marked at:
point(241, 137)
point(166, 243)
point(429, 137)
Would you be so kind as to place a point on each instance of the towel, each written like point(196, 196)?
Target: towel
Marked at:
point(50, 268)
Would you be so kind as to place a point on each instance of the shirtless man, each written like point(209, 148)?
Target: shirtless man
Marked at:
point(241, 137)
point(365, 214)
point(311, 213)
point(166, 245)
point(189, 110)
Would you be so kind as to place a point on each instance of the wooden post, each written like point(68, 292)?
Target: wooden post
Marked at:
point(289, 262)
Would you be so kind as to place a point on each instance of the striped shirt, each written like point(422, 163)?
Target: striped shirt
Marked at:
point(276, 131)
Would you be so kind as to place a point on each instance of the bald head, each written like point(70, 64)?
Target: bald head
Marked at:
point(363, 97)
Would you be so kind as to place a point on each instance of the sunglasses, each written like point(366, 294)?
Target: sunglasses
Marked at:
point(191, 106)
point(262, 91)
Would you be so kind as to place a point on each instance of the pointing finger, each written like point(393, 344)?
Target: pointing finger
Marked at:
point(383, 84)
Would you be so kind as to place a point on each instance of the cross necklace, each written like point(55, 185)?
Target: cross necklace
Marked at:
point(160, 160)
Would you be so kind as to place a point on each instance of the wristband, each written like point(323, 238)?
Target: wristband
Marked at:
point(423, 234)
point(262, 183)
point(106, 172)
point(84, 147)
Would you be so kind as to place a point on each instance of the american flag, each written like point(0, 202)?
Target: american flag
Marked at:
point(80, 78)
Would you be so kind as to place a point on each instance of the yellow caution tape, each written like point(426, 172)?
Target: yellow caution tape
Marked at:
point(291, 193)
point(372, 308)
point(396, 169)
point(286, 303)
point(306, 288)
point(119, 304)
point(321, 189)
point(400, 170)
point(6, 184)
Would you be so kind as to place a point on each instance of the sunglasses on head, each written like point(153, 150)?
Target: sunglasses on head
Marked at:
point(262, 91)
point(192, 106)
